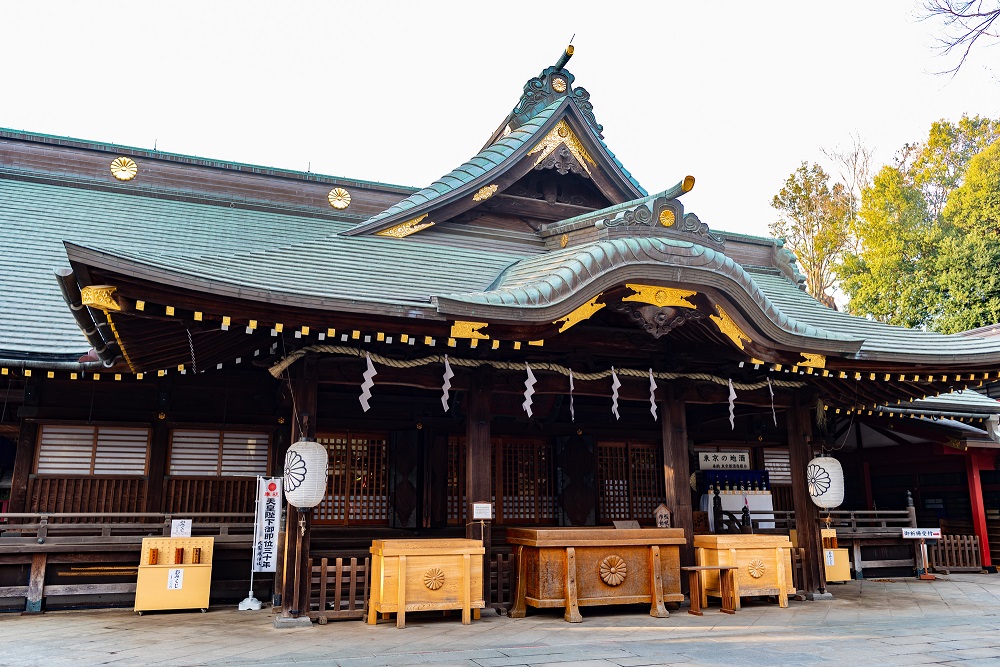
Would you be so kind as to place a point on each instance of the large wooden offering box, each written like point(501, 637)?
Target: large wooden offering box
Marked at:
point(426, 575)
point(764, 564)
point(574, 567)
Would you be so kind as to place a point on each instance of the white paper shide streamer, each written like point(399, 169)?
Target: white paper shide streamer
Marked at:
point(529, 389)
point(652, 395)
point(615, 385)
point(572, 411)
point(770, 388)
point(366, 386)
point(732, 406)
point(446, 387)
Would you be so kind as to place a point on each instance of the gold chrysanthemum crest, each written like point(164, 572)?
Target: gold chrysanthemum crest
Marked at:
point(434, 578)
point(339, 198)
point(613, 570)
point(124, 168)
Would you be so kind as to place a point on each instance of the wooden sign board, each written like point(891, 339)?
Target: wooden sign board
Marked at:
point(626, 524)
point(180, 527)
point(921, 533)
point(662, 516)
point(723, 461)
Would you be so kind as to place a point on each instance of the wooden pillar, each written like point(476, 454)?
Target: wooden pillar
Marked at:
point(479, 464)
point(677, 471)
point(806, 513)
point(159, 442)
point(478, 450)
point(973, 464)
point(24, 459)
point(305, 392)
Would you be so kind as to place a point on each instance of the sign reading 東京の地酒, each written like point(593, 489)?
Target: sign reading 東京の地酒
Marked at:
point(723, 461)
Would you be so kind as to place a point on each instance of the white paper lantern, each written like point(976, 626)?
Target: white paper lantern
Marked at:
point(305, 473)
point(825, 477)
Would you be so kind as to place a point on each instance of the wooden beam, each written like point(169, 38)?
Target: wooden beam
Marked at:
point(159, 441)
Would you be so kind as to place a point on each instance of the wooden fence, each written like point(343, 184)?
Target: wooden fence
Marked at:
point(955, 553)
point(339, 590)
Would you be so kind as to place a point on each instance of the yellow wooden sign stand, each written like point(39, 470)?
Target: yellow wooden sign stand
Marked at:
point(174, 573)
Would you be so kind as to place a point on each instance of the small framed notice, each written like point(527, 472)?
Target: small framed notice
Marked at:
point(180, 528)
point(482, 511)
point(175, 579)
point(626, 524)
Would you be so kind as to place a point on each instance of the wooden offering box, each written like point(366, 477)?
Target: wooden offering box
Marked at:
point(764, 565)
point(426, 575)
point(574, 567)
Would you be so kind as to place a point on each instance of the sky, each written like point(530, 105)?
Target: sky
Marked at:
point(737, 94)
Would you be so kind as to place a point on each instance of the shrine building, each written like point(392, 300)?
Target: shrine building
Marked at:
point(535, 330)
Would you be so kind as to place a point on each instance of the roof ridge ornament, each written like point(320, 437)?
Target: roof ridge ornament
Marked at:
point(554, 82)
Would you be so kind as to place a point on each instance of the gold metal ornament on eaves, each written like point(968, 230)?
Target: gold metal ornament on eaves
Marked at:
point(339, 198)
point(559, 84)
point(667, 218)
point(485, 192)
point(124, 168)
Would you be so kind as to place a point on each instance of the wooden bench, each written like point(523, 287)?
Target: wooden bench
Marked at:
point(727, 583)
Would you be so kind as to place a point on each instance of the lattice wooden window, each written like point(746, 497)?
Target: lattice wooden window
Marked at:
point(213, 453)
point(91, 450)
point(778, 466)
point(358, 487)
point(629, 481)
point(523, 470)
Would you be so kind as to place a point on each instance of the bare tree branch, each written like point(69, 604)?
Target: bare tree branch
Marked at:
point(965, 23)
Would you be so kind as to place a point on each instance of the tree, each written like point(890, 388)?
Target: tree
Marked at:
point(854, 168)
point(965, 23)
point(919, 261)
point(814, 223)
point(940, 163)
point(890, 279)
point(968, 264)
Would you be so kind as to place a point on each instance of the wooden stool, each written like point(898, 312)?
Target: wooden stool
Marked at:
point(727, 584)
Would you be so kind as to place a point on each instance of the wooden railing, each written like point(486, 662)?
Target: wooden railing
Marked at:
point(86, 494)
point(955, 553)
point(184, 495)
point(106, 530)
point(39, 540)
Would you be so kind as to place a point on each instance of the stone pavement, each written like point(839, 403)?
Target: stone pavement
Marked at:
point(952, 621)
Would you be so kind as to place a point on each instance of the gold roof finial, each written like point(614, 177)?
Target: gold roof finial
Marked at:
point(564, 58)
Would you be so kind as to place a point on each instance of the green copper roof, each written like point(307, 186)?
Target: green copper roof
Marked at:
point(487, 160)
point(36, 218)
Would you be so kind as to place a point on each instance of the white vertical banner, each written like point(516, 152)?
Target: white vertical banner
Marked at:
point(265, 527)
